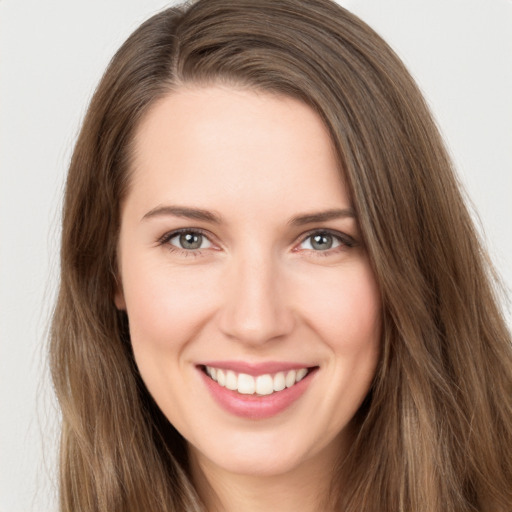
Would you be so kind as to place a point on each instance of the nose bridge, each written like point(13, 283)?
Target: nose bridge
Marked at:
point(255, 308)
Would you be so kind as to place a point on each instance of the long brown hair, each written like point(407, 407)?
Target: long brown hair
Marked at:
point(435, 432)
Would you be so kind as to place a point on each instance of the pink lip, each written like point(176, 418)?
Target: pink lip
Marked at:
point(255, 407)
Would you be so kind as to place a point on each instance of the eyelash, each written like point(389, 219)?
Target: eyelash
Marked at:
point(345, 241)
point(167, 237)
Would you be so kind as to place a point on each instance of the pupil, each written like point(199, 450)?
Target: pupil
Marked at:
point(322, 242)
point(191, 240)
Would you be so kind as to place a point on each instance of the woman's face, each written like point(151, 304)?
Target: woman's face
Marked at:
point(240, 257)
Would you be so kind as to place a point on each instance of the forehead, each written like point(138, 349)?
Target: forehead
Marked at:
point(206, 144)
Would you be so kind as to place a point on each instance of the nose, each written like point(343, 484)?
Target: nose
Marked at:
point(255, 309)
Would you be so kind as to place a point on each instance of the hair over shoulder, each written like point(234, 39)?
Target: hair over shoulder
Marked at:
point(435, 432)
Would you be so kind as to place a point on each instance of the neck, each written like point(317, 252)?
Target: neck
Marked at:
point(305, 487)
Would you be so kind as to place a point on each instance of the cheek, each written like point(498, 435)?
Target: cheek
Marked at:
point(166, 307)
point(345, 307)
point(347, 315)
point(166, 310)
point(346, 312)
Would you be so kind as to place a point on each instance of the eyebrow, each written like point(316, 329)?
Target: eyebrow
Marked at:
point(184, 212)
point(214, 218)
point(324, 216)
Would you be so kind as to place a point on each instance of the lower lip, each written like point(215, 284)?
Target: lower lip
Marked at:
point(256, 407)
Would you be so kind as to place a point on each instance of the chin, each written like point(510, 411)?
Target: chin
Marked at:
point(263, 455)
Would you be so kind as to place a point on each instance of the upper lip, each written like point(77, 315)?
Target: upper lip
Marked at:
point(255, 369)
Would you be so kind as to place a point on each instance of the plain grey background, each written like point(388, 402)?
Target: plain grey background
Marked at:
point(52, 56)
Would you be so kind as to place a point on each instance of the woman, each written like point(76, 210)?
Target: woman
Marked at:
point(272, 295)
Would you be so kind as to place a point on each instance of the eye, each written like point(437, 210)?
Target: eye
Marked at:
point(324, 241)
point(187, 240)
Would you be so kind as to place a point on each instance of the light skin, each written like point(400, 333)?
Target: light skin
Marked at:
point(276, 271)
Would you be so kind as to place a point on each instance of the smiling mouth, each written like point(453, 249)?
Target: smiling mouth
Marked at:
point(265, 384)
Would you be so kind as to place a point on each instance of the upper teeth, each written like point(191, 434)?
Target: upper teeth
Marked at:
point(262, 384)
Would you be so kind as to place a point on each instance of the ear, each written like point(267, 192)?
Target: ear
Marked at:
point(119, 296)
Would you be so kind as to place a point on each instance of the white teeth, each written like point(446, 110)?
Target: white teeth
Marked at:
point(231, 380)
point(265, 384)
point(301, 374)
point(279, 381)
point(290, 378)
point(246, 384)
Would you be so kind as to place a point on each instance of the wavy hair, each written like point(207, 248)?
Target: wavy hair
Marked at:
point(435, 431)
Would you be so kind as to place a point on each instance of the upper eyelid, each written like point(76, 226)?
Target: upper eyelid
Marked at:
point(333, 232)
point(169, 235)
